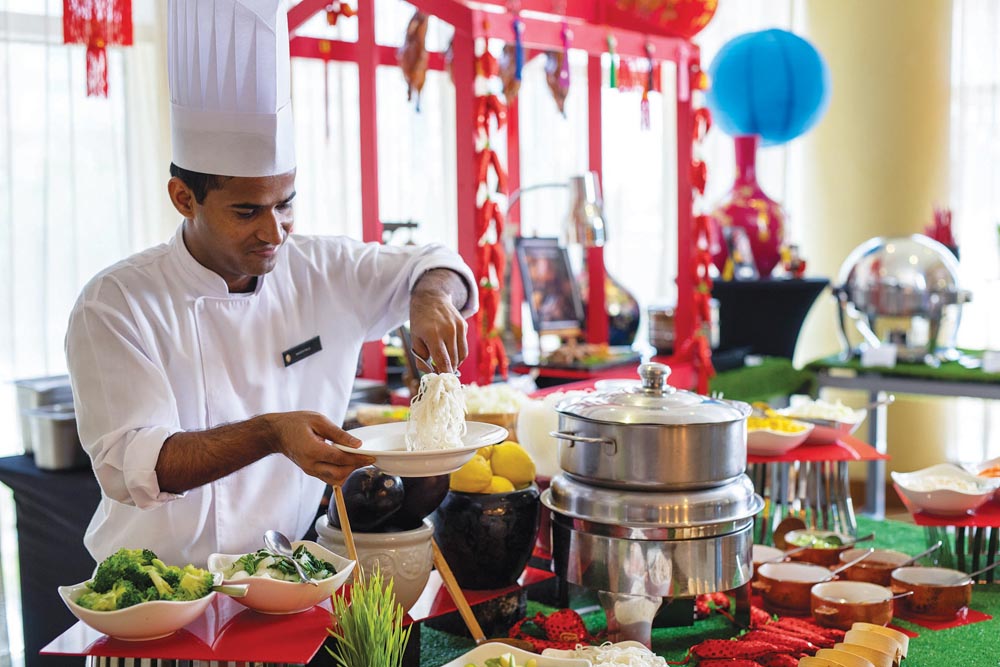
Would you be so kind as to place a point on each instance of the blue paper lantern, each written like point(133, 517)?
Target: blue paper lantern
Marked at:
point(771, 83)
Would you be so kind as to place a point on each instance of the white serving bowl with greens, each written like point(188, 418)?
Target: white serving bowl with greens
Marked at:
point(144, 621)
point(270, 595)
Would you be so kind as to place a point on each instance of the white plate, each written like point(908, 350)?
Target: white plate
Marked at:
point(386, 443)
point(275, 596)
point(565, 659)
point(765, 442)
point(976, 468)
point(945, 501)
point(479, 655)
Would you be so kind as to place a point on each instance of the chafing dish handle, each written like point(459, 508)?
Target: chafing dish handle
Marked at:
point(573, 439)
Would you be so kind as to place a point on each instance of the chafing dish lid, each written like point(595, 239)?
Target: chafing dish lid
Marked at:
point(653, 402)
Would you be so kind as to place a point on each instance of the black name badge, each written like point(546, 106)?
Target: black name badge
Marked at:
point(301, 351)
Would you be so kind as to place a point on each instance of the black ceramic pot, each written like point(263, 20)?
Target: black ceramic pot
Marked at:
point(487, 538)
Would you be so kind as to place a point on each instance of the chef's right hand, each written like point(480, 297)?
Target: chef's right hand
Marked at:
point(303, 436)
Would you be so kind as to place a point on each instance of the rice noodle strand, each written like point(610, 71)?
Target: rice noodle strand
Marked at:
point(437, 414)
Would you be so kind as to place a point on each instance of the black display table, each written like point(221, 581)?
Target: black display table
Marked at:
point(764, 315)
point(53, 511)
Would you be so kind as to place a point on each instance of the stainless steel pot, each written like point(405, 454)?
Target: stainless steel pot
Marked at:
point(654, 544)
point(53, 431)
point(652, 437)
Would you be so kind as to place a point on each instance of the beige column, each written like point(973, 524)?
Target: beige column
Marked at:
point(876, 163)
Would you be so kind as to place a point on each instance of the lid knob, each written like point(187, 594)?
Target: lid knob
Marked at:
point(654, 376)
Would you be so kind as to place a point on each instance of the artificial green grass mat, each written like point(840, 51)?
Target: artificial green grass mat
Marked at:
point(773, 377)
point(950, 370)
point(976, 645)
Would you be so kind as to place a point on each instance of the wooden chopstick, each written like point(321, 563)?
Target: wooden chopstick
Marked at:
point(456, 594)
point(345, 526)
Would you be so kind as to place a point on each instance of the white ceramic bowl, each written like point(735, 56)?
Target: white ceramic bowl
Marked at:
point(405, 556)
point(765, 442)
point(146, 620)
point(484, 652)
point(926, 489)
point(827, 431)
point(976, 468)
point(386, 443)
point(762, 553)
point(566, 659)
point(274, 596)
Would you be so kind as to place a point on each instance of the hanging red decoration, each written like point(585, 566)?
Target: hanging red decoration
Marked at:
point(681, 18)
point(336, 9)
point(97, 24)
point(491, 180)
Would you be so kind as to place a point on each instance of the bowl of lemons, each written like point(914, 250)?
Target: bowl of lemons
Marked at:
point(490, 515)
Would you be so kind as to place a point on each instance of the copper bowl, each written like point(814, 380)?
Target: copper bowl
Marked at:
point(876, 569)
point(938, 593)
point(825, 556)
point(762, 553)
point(785, 586)
point(841, 604)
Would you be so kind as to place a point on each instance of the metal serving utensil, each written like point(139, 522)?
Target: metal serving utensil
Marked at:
point(972, 575)
point(232, 590)
point(926, 552)
point(277, 543)
point(834, 573)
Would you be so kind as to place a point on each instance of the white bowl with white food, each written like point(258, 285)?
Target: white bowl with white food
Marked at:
point(269, 595)
point(492, 650)
point(831, 421)
point(140, 622)
point(944, 489)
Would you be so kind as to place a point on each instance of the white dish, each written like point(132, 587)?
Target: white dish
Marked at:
point(765, 442)
point(948, 501)
point(566, 659)
point(827, 431)
point(274, 596)
point(976, 468)
point(761, 553)
point(479, 655)
point(141, 622)
point(386, 443)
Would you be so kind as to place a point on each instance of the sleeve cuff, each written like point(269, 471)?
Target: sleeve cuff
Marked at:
point(139, 467)
point(453, 263)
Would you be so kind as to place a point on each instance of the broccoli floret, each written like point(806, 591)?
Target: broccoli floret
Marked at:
point(162, 587)
point(195, 583)
point(123, 565)
point(122, 594)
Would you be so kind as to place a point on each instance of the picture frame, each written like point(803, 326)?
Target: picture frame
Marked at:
point(550, 288)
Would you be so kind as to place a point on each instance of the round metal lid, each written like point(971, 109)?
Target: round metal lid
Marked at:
point(653, 402)
point(721, 505)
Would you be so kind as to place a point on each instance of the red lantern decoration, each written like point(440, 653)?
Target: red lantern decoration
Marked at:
point(97, 24)
point(681, 18)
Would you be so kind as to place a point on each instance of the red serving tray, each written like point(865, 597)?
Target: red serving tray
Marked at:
point(986, 516)
point(847, 448)
point(229, 632)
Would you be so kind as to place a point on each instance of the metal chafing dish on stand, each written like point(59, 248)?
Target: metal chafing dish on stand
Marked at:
point(653, 502)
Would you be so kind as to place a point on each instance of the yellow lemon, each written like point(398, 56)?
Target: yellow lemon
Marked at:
point(474, 477)
point(510, 460)
point(485, 452)
point(500, 485)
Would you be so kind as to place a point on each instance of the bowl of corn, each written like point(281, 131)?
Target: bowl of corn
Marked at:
point(771, 434)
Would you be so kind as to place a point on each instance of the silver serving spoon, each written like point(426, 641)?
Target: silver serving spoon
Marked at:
point(920, 555)
point(277, 543)
point(232, 590)
point(834, 573)
point(972, 575)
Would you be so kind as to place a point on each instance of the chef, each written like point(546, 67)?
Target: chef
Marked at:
point(209, 372)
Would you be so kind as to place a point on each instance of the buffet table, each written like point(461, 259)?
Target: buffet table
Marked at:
point(949, 379)
point(973, 645)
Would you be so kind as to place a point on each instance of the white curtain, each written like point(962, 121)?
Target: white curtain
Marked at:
point(975, 201)
point(81, 182)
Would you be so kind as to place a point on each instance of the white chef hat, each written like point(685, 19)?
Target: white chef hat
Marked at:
point(230, 102)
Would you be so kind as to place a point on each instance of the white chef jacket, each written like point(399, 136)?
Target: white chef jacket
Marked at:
point(156, 344)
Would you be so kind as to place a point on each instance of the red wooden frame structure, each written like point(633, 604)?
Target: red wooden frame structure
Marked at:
point(591, 21)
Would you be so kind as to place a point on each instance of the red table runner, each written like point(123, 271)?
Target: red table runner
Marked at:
point(848, 448)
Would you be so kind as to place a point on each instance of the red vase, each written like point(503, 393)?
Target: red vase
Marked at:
point(748, 207)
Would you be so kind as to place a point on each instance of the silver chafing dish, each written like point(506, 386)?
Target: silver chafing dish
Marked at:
point(905, 291)
point(653, 502)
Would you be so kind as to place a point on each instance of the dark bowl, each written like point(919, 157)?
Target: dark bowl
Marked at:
point(487, 538)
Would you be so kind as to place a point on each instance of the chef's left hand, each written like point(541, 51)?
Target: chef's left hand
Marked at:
point(437, 329)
